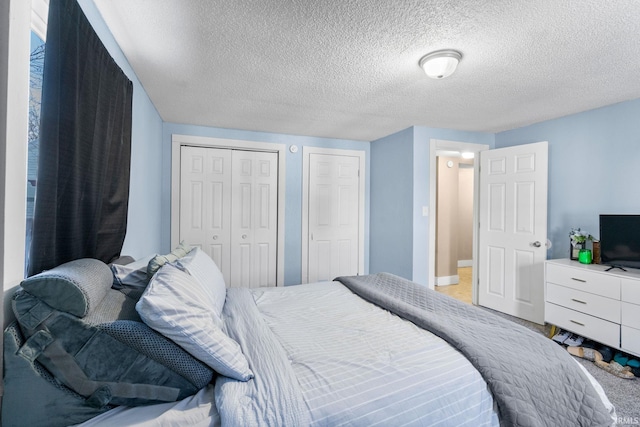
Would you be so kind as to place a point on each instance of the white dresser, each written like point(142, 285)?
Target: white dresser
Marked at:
point(597, 304)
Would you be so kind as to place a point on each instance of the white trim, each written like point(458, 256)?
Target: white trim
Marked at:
point(465, 263)
point(306, 154)
point(199, 141)
point(14, 79)
point(447, 280)
point(434, 146)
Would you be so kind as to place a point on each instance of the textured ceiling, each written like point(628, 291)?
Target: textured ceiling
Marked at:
point(349, 68)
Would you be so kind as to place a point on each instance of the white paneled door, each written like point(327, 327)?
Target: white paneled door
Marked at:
point(228, 207)
point(333, 216)
point(254, 220)
point(205, 201)
point(513, 230)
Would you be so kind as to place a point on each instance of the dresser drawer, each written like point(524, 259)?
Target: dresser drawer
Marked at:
point(582, 324)
point(584, 280)
point(631, 291)
point(631, 315)
point(584, 302)
point(630, 340)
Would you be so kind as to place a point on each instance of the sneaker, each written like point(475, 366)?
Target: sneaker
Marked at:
point(574, 340)
point(561, 337)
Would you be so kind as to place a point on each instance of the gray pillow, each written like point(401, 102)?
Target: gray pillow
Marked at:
point(159, 260)
point(76, 287)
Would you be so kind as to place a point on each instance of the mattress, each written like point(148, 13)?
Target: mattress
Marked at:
point(352, 362)
point(360, 365)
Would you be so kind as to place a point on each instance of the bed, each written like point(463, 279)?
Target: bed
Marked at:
point(358, 351)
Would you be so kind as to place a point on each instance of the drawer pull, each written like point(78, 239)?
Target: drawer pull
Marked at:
point(577, 323)
point(577, 300)
point(579, 280)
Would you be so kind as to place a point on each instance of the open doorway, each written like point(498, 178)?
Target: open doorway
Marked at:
point(454, 224)
point(453, 213)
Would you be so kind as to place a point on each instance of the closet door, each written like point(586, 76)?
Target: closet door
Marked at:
point(254, 219)
point(229, 208)
point(205, 202)
point(334, 199)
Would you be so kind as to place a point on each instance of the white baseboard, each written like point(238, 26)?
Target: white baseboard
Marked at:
point(465, 263)
point(447, 280)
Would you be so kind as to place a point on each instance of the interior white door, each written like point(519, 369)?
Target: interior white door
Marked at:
point(333, 216)
point(205, 202)
point(513, 230)
point(254, 221)
point(229, 208)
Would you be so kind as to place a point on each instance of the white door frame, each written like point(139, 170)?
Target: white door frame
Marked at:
point(436, 145)
point(200, 141)
point(306, 155)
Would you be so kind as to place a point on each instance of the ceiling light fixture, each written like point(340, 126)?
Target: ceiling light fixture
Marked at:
point(468, 155)
point(441, 63)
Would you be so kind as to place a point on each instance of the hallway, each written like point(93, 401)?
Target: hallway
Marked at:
point(461, 291)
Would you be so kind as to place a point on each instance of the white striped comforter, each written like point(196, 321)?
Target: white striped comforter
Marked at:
point(323, 356)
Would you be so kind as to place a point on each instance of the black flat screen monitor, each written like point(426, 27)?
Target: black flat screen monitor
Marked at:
point(620, 240)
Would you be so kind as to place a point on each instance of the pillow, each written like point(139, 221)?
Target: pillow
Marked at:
point(76, 287)
point(159, 260)
point(198, 264)
point(131, 275)
point(176, 305)
point(142, 263)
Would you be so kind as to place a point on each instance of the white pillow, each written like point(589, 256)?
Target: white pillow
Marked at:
point(176, 305)
point(200, 265)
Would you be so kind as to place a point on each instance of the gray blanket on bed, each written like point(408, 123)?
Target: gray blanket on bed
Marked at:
point(534, 381)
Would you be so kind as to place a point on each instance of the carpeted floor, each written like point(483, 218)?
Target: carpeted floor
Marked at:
point(624, 394)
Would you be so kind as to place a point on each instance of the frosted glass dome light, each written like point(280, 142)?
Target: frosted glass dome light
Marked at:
point(441, 63)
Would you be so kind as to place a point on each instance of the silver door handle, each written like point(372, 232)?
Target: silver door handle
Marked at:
point(244, 236)
point(536, 244)
point(215, 237)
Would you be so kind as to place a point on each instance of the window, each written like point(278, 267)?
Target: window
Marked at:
point(39, 12)
point(35, 95)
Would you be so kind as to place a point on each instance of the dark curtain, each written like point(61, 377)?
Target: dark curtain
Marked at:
point(82, 190)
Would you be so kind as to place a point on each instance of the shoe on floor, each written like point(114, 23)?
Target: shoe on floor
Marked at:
point(574, 340)
point(621, 359)
point(633, 363)
point(616, 369)
point(561, 337)
point(606, 352)
point(585, 353)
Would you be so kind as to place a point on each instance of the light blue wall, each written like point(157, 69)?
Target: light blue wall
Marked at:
point(391, 231)
point(421, 194)
point(399, 190)
point(594, 163)
point(293, 195)
point(143, 223)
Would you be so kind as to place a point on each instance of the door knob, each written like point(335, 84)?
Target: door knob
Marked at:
point(244, 236)
point(536, 244)
point(215, 237)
